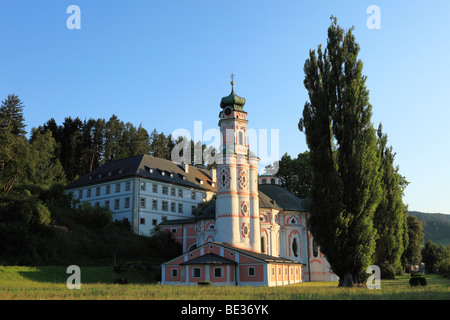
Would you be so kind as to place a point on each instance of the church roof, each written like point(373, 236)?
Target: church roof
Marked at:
point(145, 166)
point(256, 255)
point(209, 258)
point(282, 197)
point(233, 100)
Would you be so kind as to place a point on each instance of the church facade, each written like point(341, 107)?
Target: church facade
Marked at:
point(254, 233)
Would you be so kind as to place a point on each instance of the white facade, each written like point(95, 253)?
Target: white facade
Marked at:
point(144, 202)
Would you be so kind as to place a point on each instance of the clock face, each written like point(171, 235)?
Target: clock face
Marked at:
point(227, 111)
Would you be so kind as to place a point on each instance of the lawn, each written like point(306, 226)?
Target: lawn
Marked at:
point(49, 283)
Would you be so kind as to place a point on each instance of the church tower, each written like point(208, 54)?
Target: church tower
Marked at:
point(237, 204)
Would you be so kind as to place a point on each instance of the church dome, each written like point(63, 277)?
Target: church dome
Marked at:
point(233, 101)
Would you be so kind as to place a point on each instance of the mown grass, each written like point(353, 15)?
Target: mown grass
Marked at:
point(49, 283)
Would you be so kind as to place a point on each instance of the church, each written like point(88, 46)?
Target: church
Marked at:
point(254, 233)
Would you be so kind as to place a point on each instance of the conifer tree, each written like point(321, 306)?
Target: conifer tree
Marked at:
point(345, 189)
point(11, 115)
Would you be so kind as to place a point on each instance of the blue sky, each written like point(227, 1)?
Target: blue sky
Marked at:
point(166, 64)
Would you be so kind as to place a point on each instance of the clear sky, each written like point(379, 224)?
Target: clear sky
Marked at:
point(165, 64)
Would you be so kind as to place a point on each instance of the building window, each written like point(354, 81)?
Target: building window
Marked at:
point(155, 204)
point(196, 272)
point(108, 189)
point(173, 230)
point(264, 181)
point(80, 194)
point(88, 193)
point(273, 271)
point(295, 247)
point(127, 186)
point(142, 220)
point(263, 245)
point(163, 218)
point(165, 190)
point(174, 273)
point(154, 222)
point(142, 202)
point(165, 206)
point(155, 188)
point(143, 186)
point(116, 204)
point(180, 208)
point(218, 272)
point(97, 204)
point(107, 204)
point(127, 203)
point(117, 187)
point(97, 191)
point(180, 193)
point(251, 271)
point(172, 207)
point(193, 209)
point(193, 195)
point(173, 192)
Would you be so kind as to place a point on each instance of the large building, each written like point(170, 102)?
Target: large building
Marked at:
point(254, 233)
point(145, 190)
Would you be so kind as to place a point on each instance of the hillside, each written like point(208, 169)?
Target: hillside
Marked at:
point(436, 226)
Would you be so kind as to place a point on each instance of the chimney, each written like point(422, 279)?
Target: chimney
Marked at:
point(213, 175)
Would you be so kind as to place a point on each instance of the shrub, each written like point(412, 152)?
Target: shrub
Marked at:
point(417, 280)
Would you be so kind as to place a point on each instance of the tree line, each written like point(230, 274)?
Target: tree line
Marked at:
point(39, 223)
point(357, 215)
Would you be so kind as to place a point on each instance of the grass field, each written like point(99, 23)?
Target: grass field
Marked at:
point(49, 283)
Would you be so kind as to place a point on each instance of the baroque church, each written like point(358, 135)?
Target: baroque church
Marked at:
point(254, 232)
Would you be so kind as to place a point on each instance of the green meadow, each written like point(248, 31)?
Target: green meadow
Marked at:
point(49, 283)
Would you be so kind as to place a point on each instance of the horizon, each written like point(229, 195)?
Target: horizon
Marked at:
point(167, 65)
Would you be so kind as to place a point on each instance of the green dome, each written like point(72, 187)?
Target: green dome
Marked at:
point(234, 101)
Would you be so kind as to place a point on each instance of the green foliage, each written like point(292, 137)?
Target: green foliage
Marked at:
point(390, 215)
point(296, 174)
point(417, 280)
point(346, 180)
point(412, 254)
point(11, 115)
point(435, 256)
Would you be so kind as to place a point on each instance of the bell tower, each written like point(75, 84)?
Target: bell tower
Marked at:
point(237, 204)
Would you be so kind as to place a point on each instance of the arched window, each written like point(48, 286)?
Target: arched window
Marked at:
point(272, 181)
point(264, 181)
point(315, 249)
point(263, 244)
point(295, 247)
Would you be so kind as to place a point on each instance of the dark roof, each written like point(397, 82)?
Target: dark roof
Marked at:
point(178, 222)
point(146, 166)
point(209, 258)
point(282, 197)
point(266, 202)
point(208, 213)
point(259, 256)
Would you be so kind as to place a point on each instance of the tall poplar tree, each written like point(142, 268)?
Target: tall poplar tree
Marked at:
point(345, 189)
point(390, 216)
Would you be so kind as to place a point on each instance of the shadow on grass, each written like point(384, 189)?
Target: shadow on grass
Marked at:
point(105, 275)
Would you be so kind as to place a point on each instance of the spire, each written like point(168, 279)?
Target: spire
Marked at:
point(233, 100)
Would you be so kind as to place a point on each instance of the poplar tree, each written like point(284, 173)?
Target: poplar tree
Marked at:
point(345, 189)
point(390, 216)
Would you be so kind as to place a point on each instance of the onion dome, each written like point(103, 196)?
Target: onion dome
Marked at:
point(233, 100)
